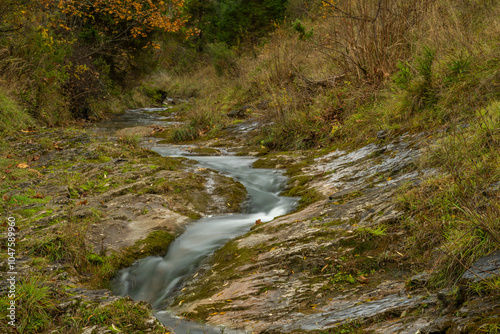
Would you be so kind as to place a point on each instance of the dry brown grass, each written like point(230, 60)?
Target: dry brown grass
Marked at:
point(338, 83)
point(365, 39)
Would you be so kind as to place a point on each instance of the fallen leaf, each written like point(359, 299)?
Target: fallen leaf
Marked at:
point(5, 197)
point(22, 165)
point(9, 156)
point(39, 196)
point(362, 279)
point(258, 221)
point(57, 147)
point(35, 171)
point(82, 202)
point(34, 158)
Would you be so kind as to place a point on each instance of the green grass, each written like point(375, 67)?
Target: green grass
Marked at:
point(121, 315)
point(13, 116)
point(457, 210)
point(34, 305)
point(36, 312)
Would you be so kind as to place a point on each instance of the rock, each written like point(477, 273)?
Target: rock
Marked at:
point(484, 268)
point(67, 305)
point(171, 101)
point(53, 267)
point(90, 330)
point(151, 323)
point(120, 161)
point(382, 134)
point(91, 295)
point(493, 190)
point(463, 126)
point(450, 296)
point(141, 131)
point(419, 280)
point(440, 325)
point(240, 113)
point(109, 301)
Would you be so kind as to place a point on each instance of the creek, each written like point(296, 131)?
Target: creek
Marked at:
point(155, 278)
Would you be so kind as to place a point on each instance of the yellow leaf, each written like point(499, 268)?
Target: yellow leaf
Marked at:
point(22, 165)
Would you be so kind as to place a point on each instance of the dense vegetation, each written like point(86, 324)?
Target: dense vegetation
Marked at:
point(60, 59)
point(65, 60)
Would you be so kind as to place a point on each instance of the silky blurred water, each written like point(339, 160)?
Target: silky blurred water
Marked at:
point(154, 278)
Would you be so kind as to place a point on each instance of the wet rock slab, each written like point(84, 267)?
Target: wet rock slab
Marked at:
point(340, 311)
point(289, 283)
point(484, 268)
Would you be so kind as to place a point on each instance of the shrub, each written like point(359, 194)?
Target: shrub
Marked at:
point(223, 59)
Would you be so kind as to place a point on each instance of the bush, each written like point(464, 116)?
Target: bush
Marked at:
point(223, 59)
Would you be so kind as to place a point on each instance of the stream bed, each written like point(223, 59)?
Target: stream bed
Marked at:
point(155, 278)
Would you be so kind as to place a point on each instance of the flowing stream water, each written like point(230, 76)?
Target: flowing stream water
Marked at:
point(155, 278)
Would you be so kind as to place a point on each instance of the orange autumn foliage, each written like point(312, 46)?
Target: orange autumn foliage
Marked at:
point(140, 17)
